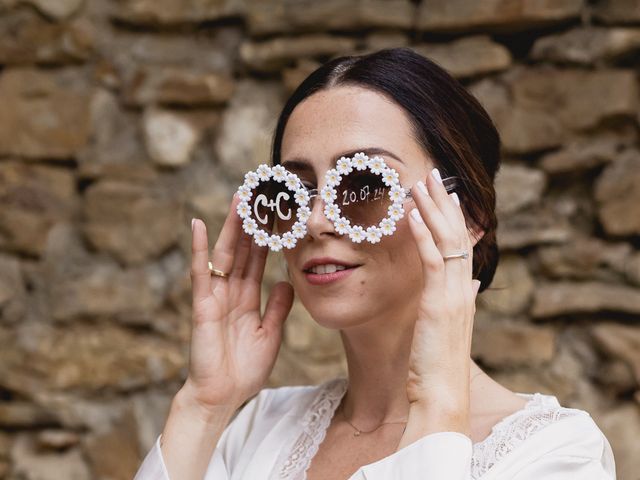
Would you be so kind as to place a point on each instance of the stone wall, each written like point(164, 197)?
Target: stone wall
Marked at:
point(120, 120)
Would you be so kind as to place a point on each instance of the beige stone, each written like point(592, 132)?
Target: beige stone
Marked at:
point(462, 15)
point(617, 191)
point(37, 109)
point(279, 16)
point(13, 295)
point(621, 342)
point(587, 45)
point(57, 9)
point(131, 221)
point(511, 344)
point(272, 55)
point(34, 199)
point(583, 258)
point(618, 11)
point(583, 153)
point(538, 108)
point(116, 149)
point(533, 227)
point(244, 140)
point(169, 137)
point(469, 56)
point(563, 298)
point(27, 38)
point(114, 454)
point(511, 289)
point(517, 187)
point(30, 464)
point(292, 77)
point(621, 425)
point(169, 12)
point(175, 86)
point(37, 358)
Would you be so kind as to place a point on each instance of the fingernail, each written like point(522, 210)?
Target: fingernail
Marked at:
point(436, 174)
point(193, 222)
point(454, 195)
point(416, 215)
point(423, 187)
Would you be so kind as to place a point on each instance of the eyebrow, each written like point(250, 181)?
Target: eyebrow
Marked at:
point(302, 164)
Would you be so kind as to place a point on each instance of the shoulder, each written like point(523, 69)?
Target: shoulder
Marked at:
point(563, 430)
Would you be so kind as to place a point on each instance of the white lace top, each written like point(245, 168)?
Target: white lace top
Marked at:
point(276, 435)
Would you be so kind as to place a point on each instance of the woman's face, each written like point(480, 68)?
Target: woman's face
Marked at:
point(388, 279)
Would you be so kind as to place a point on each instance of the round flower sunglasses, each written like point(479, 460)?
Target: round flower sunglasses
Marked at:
point(363, 198)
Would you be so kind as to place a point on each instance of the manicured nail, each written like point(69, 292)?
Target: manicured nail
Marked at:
point(193, 222)
point(454, 195)
point(416, 215)
point(423, 187)
point(436, 174)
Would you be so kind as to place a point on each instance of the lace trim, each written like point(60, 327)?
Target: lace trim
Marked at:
point(505, 436)
point(314, 428)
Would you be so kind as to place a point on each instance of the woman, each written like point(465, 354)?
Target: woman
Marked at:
point(415, 405)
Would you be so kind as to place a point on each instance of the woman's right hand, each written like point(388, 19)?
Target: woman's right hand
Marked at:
point(233, 346)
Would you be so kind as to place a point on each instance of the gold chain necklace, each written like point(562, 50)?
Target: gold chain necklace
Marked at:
point(358, 431)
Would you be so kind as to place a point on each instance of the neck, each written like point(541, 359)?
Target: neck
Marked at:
point(377, 389)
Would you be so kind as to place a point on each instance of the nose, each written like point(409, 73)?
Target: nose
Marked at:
point(318, 224)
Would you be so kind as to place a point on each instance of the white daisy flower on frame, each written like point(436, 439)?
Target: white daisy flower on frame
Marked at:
point(303, 213)
point(302, 196)
point(387, 226)
point(299, 230)
point(264, 172)
point(377, 165)
point(243, 210)
point(245, 193)
point(359, 161)
point(395, 212)
point(328, 194)
point(373, 234)
point(261, 238)
point(397, 193)
point(251, 179)
point(332, 177)
point(289, 240)
point(342, 225)
point(279, 173)
point(250, 226)
point(331, 211)
point(390, 177)
point(357, 234)
point(292, 182)
point(343, 166)
point(275, 243)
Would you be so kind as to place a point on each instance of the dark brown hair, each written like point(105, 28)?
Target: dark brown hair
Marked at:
point(452, 127)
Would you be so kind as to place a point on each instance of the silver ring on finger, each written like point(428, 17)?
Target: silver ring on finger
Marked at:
point(463, 254)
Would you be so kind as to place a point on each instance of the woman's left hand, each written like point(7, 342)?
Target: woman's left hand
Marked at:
point(440, 358)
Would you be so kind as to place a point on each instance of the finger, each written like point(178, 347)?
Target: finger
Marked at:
point(445, 202)
point(278, 307)
point(200, 274)
point(430, 256)
point(241, 255)
point(224, 250)
point(446, 239)
point(254, 268)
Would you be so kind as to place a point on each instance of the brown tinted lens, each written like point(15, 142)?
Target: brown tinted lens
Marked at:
point(273, 206)
point(363, 198)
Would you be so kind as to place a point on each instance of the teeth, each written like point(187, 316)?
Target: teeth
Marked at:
point(329, 268)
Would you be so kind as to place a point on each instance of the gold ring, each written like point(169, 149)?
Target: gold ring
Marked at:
point(216, 272)
point(464, 254)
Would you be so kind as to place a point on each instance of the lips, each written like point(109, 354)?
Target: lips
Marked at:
point(326, 261)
